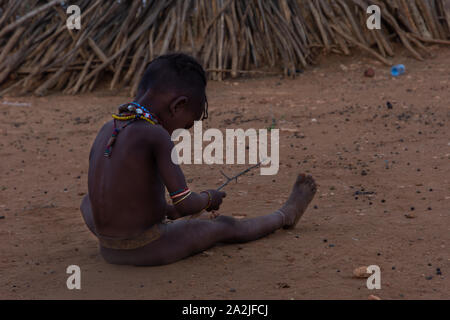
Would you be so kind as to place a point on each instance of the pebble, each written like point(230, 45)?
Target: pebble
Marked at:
point(232, 290)
point(370, 73)
point(372, 297)
point(361, 272)
point(389, 105)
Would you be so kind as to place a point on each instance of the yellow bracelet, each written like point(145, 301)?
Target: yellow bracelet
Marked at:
point(209, 200)
point(177, 202)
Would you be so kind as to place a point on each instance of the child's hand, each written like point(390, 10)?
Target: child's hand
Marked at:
point(216, 199)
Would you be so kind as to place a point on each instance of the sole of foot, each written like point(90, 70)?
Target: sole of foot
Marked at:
point(301, 195)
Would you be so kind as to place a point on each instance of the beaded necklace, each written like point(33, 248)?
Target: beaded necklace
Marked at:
point(130, 112)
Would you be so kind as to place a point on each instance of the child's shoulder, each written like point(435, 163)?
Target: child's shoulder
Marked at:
point(151, 132)
point(136, 133)
point(140, 129)
point(153, 135)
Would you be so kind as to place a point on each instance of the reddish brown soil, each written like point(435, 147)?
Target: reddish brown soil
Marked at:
point(399, 157)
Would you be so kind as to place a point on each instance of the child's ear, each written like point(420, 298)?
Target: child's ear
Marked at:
point(178, 104)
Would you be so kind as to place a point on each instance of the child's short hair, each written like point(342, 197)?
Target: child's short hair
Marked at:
point(189, 75)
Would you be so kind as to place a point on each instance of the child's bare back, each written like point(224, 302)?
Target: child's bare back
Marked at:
point(130, 167)
point(126, 191)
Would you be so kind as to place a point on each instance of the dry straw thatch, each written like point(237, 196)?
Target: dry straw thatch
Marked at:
point(230, 37)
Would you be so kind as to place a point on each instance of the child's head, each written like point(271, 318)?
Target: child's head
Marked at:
point(175, 85)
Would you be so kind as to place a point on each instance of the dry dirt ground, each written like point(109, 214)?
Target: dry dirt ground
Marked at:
point(384, 195)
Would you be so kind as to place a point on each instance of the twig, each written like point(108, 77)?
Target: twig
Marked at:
point(26, 17)
point(243, 71)
point(236, 176)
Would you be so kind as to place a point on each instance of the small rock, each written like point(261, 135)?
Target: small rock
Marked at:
point(369, 73)
point(410, 216)
point(343, 68)
point(206, 254)
point(283, 285)
point(361, 272)
point(372, 297)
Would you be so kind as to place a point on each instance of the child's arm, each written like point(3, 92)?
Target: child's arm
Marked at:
point(173, 178)
point(172, 213)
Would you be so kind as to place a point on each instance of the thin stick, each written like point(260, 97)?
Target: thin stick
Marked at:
point(350, 39)
point(243, 71)
point(26, 17)
point(436, 41)
point(236, 176)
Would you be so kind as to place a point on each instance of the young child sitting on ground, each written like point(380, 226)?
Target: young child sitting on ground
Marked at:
point(130, 165)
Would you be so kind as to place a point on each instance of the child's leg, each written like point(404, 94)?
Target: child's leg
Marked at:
point(186, 237)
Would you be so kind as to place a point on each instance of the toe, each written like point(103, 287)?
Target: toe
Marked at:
point(301, 178)
point(309, 180)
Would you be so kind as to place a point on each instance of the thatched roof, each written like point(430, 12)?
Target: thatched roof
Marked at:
point(230, 37)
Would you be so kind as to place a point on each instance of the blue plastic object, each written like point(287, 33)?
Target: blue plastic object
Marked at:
point(398, 70)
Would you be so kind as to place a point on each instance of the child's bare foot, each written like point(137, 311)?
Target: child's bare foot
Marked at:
point(302, 193)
